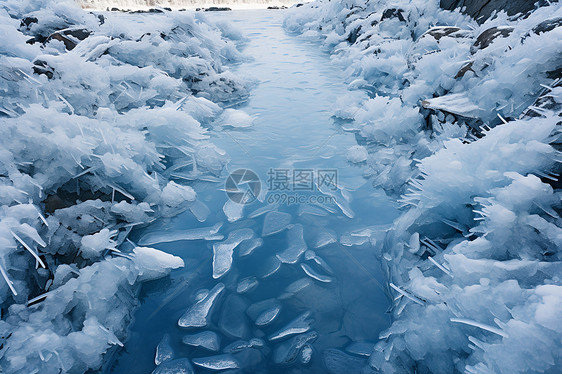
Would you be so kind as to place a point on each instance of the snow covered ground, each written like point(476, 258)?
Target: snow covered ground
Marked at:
point(463, 121)
point(185, 4)
point(100, 116)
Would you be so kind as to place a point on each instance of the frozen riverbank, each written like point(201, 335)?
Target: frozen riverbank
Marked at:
point(463, 121)
point(100, 113)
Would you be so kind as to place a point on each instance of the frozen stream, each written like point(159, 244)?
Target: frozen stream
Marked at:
point(336, 283)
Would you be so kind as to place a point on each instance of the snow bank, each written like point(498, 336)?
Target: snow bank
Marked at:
point(102, 122)
point(463, 121)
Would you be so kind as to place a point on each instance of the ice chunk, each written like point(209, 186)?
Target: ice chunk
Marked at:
point(297, 326)
point(295, 287)
point(296, 245)
point(247, 285)
point(414, 243)
point(219, 362)
point(202, 233)
point(311, 255)
point(222, 252)
point(177, 366)
point(267, 316)
point(457, 103)
point(314, 274)
point(236, 118)
point(357, 154)
point(323, 239)
point(91, 246)
point(206, 339)
point(269, 267)
point(248, 247)
point(198, 314)
point(233, 321)
point(275, 222)
point(154, 264)
point(164, 350)
point(287, 352)
point(233, 211)
point(240, 345)
point(306, 354)
point(259, 310)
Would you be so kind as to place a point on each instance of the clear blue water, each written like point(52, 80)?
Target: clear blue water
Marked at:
point(293, 130)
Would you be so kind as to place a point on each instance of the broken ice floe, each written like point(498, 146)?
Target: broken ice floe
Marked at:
point(247, 285)
point(275, 222)
point(316, 275)
point(198, 314)
point(164, 351)
point(297, 326)
point(222, 252)
point(287, 352)
point(177, 366)
point(296, 245)
point(219, 362)
point(241, 345)
point(233, 211)
point(206, 339)
point(202, 233)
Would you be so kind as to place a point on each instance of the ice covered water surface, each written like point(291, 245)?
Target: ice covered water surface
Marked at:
point(279, 289)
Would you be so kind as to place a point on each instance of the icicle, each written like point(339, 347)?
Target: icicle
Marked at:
point(66, 103)
point(122, 191)
point(405, 294)
point(85, 172)
point(41, 216)
point(29, 249)
point(502, 119)
point(38, 298)
point(480, 325)
point(440, 266)
point(8, 281)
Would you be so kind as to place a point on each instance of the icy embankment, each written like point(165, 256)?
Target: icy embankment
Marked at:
point(100, 131)
point(462, 120)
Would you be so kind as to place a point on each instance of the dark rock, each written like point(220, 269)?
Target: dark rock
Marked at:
point(440, 31)
point(481, 10)
point(217, 9)
point(298, 5)
point(70, 37)
point(488, 36)
point(465, 69)
point(41, 67)
point(545, 101)
point(27, 21)
point(353, 35)
point(393, 13)
point(545, 26)
point(155, 10)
